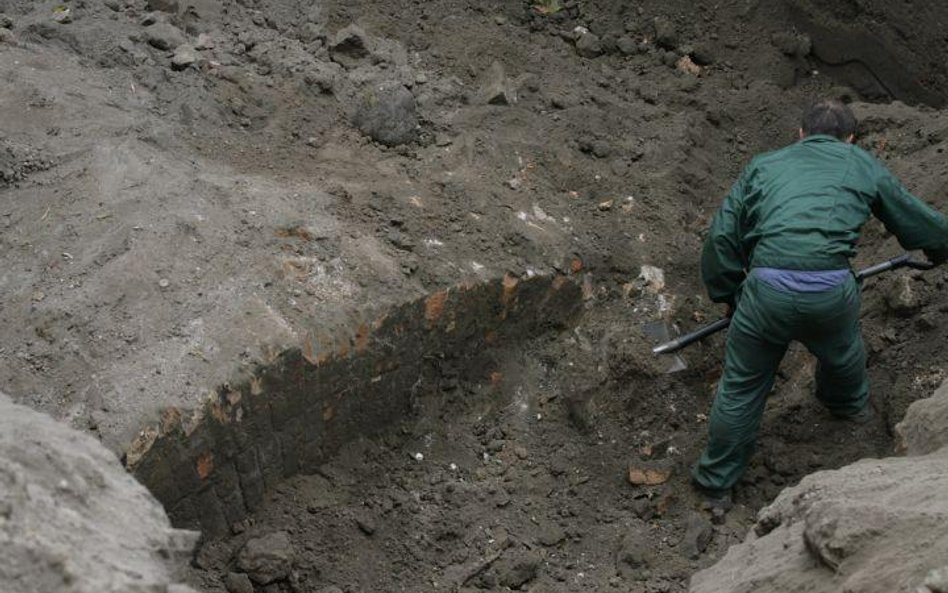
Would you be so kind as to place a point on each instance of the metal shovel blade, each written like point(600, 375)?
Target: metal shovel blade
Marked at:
point(660, 332)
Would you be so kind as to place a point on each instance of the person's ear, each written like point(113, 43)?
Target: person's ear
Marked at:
point(800, 131)
point(851, 139)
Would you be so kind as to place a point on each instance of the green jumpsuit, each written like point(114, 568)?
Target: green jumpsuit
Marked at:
point(798, 208)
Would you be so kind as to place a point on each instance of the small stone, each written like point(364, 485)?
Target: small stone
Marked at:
point(164, 283)
point(649, 473)
point(114, 5)
point(521, 452)
point(686, 65)
point(388, 114)
point(666, 34)
point(163, 5)
point(901, 297)
point(164, 36)
point(6, 22)
point(204, 41)
point(697, 536)
point(366, 524)
point(589, 46)
point(238, 582)
point(551, 534)
point(267, 559)
point(627, 46)
point(184, 56)
point(495, 88)
point(6, 36)
point(604, 206)
point(38, 296)
point(62, 16)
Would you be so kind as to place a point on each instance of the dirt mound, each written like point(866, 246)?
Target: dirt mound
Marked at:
point(71, 519)
point(871, 526)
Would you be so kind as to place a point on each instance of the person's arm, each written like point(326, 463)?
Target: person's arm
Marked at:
point(722, 259)
point(913, 222)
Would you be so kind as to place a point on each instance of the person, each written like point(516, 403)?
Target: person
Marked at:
point(778, 256)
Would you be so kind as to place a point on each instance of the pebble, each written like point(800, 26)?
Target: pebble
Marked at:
point(164, 283)
point(184, 56)
point(589, 46)
point(6, 22)
point(238, 582)
point(164, 36)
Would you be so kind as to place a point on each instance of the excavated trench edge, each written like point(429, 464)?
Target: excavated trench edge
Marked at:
point(210, 467)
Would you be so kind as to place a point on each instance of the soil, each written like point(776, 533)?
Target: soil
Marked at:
point(167, 221)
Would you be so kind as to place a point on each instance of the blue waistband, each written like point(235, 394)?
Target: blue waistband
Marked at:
point(802, 280)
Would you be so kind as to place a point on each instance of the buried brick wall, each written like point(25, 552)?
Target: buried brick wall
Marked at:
point(210, 467)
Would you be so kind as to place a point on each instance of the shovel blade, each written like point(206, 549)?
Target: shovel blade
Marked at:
point(660, 332)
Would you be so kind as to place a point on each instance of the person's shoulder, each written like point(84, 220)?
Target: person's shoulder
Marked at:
point(777, 154)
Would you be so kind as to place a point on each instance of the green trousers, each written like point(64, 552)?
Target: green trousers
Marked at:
point(765, 322)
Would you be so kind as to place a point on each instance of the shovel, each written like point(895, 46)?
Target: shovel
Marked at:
point(671, 346)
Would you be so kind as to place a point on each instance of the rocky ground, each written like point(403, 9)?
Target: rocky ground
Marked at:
point(188, 185)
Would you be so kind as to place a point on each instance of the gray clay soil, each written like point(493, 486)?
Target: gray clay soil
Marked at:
point(185, 185)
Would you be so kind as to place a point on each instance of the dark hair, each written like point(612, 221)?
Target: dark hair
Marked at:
point(830, 117)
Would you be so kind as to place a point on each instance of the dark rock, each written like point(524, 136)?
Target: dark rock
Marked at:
point(633, 556)
point(589, 46)
point(518, 569)
point(551, 534)
point(164, 36)
point(627, 46)
point(163, 5)
point(388, 115)
point(267, 559)
point(792, 45)
point(702, 54)
point(115, 5)
point(666, 34)
point(238, 582)
point(350, 47)
point(697, 536)
point(495, 88)
point(6, 22)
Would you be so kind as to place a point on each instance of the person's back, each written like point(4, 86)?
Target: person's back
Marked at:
point(778, 255)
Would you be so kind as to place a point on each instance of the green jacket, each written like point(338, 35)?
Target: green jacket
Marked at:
point(802, 208)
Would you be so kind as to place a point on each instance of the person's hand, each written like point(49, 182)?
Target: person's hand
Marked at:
point(936, 256)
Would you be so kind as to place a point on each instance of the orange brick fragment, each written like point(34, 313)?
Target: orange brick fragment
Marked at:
point(205, 465)
point(640, 475)
point(434, 306)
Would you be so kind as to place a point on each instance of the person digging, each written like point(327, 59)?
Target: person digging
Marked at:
point(777, 255)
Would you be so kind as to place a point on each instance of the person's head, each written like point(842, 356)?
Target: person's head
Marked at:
point(829, 117)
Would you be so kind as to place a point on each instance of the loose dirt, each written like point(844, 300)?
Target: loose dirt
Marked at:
point(169, 215)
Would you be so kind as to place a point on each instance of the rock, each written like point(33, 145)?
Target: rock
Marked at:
point(937, 580)
point(72, 520)
point(649, 473)
point(666, 34)
point(875, 526)
point(6, 22)
point(163, 5)
point(164, 36)
point(702, 54)
point(62, 15)
point(267, 559)
point(517, 569)
point(551, 534)
point(310, 32)
point(366, 523)
point(6, 36)
point(686, 65)
point(792, 45)
point(633, 555)
point(204, 41)
point(922, 430)
point(901, 297)
point(350, 46)
point(495, 88)
point(184, 56)
point(697, 536)
point(388, 115)
point(238, 582)
point(627, 46)
point(114, 5)
point(589, 46)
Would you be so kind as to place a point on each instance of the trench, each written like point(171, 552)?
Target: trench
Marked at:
point(212, 466)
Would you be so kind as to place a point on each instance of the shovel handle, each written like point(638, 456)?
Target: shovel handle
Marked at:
point(903, 261)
